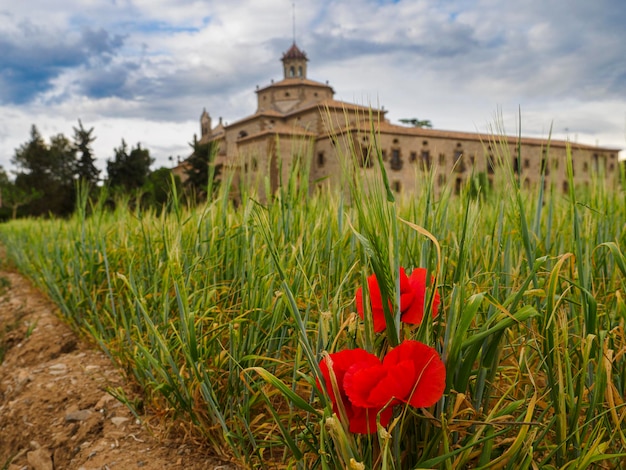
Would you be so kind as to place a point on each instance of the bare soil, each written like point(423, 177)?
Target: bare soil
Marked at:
point(55, 412)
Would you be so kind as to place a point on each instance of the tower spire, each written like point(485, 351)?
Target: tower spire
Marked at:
point(293, 10)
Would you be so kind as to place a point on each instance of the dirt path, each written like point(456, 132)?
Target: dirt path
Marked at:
point(54, 410)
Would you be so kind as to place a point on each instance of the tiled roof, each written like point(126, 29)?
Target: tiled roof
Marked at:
point(265, 113)
point(385, 127)
point(294, 82)
point(336, 104)
point(294, 53)
point(281, 129)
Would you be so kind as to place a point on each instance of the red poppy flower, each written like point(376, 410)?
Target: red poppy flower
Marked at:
point(414, 311)
point(419, 372)
point(412, 294)
point(411, 373)
point(362, 419)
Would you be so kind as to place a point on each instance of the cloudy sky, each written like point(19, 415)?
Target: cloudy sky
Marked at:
point(143, 70)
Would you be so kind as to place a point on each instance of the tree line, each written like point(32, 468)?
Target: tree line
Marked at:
point(47, 175)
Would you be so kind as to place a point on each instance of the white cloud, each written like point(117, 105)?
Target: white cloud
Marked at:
point(151, 66)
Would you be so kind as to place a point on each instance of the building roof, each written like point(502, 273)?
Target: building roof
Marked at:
point(321, 105)
point(293, 53)
point(296, 81)
point(486, 137)
point(385, 127)
point(264, 113)
point(280, 129)
point(344, 105)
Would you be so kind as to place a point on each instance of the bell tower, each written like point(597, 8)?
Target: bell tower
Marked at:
point(205, 123)
point(294, 62)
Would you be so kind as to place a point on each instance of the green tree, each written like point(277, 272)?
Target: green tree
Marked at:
point(12, 197)
point(128, 171)
point(201, 170)
point(158, 188)
point(86, 170)
point(4, 191)
point(417, 122)
point(47, 170)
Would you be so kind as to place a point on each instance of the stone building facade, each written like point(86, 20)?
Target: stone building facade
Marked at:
point(298, 116)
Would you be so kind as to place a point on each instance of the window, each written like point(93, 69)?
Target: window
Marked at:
point(545, 169)
point(516, 165)
point(286, 93)
point(585, 167)
point(490, 165)
point(321, 159)
point(242, 134)
point(526, 162)
point(565, 186)
point(412, 157)
point(425, 142)
point(292, 71)
point(255, 164)
point(459, 164)
point(396, 161)
point(397, 186)
point(425, 158)
point(457, 185)
point(442, 159)
point(383, 153)
point(300, 71)
point(365, 159)
point(555, 163)
point(441, 180)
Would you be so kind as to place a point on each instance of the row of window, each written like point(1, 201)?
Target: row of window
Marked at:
point(366, 160)
point(458, 184)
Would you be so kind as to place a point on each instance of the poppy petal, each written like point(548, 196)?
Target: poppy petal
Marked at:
point(360, 382)
point(407, 294)
point(428, 372)
point(363, 420)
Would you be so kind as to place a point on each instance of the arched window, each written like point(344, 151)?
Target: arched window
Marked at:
point(292, 71)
